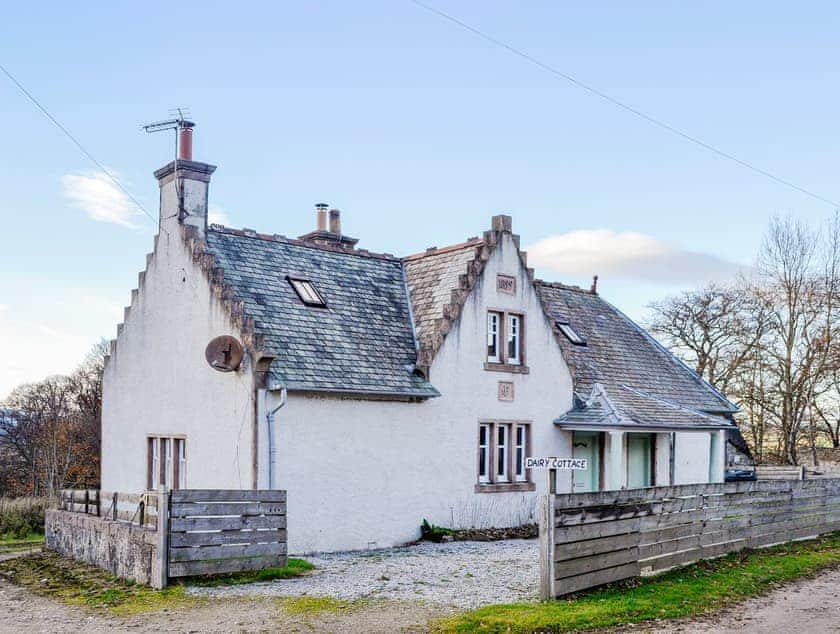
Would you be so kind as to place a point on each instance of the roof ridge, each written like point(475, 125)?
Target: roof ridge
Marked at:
point(565, 287)
point(281, 239)
point(431, 251)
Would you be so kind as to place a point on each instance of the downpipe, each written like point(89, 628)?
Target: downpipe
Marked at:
point(269, 419)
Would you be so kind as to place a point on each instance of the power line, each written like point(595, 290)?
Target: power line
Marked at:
point(76, 142)
point(620, 104)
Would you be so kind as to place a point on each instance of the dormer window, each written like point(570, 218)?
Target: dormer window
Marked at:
point(306, 292)
point(570, 333)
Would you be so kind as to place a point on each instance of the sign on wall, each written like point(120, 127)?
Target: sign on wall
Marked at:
point(506, 391)
point(506, 284)
point(567, 464)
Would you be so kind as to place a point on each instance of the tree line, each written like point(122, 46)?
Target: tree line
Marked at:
point(50, 432)
point(769, 340)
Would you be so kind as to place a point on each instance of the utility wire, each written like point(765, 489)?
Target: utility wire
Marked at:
point(620, 104)
point(76, 142)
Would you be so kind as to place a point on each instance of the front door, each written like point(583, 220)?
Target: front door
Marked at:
point(639, 459)
point(586, 445)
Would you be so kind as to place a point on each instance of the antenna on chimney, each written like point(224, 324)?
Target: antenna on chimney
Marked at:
point(183, 143)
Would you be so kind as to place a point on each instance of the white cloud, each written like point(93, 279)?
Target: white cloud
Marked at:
point(217, 216)
point(97, 195)
point(628, 255)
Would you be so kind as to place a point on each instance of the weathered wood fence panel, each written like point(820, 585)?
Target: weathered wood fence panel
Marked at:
point(223, 531)
point(589, 539)
point(80, 501)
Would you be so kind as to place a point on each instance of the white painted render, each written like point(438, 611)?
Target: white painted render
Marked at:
point(366, 473)
point(157, 382)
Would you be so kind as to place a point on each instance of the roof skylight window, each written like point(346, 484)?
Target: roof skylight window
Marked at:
point(306, 291)
point(570, 333)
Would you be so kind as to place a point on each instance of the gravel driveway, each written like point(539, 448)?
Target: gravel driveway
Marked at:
point(458, 574)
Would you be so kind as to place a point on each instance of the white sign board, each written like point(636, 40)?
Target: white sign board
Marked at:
point(568, 464)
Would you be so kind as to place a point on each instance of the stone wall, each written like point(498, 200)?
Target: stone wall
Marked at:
point(126, 551)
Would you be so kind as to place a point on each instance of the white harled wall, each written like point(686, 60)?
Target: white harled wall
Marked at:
point(158, 382)
point(363, 474)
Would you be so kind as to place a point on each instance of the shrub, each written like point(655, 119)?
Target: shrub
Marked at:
point(433, 533)
point(20, 517)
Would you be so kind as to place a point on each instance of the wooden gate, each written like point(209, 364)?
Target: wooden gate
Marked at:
point(222, 531)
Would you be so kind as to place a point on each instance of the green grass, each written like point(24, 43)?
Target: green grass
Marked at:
point(689, 591)
point(76, 583)
point(11, 544)
point(293, 568)
point(315, 606)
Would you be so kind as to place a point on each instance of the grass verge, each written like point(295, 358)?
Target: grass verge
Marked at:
point(697, 589)
point(11, 544)
point(79, 584)
point(75, 583)
point(315, 606)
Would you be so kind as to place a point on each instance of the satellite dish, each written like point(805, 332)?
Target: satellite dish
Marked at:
point(224, 353)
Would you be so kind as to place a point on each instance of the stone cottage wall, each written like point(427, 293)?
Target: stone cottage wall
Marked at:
point(127, 551)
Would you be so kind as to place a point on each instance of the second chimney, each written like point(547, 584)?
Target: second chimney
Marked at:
point(321, 216)
point(185, 141)
point(335, 221)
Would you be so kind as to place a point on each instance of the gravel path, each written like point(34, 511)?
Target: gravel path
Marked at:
point(458, 574)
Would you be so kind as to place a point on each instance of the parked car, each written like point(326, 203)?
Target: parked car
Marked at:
point(739, 475)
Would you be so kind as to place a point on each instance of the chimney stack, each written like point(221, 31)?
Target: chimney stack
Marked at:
point(594, 288)
point(328, 232)
point(321, 216)
point(185, 141)
point(335, 221)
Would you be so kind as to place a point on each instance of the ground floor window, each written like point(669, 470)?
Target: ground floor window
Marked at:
point(166, 462)
point(502, 449)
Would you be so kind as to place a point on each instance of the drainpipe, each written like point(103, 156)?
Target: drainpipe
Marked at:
point(269, 419)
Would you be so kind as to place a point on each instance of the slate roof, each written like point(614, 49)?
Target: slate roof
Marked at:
point(432, 278)
point(362, 342)
point(644, 382)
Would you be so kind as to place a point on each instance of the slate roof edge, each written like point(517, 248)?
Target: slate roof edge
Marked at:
point(432, 392)
point(432, 251)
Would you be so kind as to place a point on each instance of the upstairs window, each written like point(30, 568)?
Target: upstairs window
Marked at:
point(494, 322)
point(570, 333)
point(514, 326)
point(307, 292)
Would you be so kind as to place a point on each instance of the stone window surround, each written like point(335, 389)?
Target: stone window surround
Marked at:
point(513, 485)
point(502, 365)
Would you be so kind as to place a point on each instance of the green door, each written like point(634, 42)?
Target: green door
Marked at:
point(639, 458)
point(587, 445)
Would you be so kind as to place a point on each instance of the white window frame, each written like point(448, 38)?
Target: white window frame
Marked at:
point(155, 463)
point(502, 457)
point(494, 323)
point(514, 339)
point(484, 451)
point(520, 449)
point(182, 463)
point(570, 333)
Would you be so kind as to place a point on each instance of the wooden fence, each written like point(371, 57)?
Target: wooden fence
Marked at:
point(588, 539)
point(80, 501)
point(783, 472)
point(220, 531)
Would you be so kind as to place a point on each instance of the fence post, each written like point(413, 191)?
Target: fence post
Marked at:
point(162, 578)
point(114, 506)
point(547, 537)
point(802, 472)
point(87, 500)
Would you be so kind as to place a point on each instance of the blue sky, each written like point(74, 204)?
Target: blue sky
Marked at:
point(418, 130)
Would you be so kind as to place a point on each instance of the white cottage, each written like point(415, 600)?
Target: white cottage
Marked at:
point(378, 390)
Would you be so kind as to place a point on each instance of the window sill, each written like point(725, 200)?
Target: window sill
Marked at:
point(503, 487)
point(505, 367)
